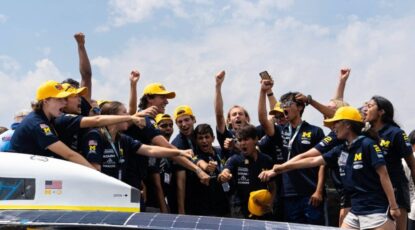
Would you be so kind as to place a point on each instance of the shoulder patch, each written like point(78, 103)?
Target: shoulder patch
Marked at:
point(46, 129)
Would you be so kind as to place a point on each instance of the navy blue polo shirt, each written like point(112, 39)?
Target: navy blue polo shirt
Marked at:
point(245, 173)
point(212, 199)
point(395, 145)
point(69, 130)
point(301, 182)
point(34, 134)
point(98, 149)
point(357, 167)
point(144, 135)
point(272, 146)
point(328, 143)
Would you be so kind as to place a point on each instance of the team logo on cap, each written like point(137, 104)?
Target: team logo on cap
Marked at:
point(162, 87)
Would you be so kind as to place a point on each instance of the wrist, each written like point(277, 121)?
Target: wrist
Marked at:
point(198, 171)
point(309, 100)
point(394, 208)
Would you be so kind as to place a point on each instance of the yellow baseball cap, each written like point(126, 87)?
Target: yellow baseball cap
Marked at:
point(344, 113)
point(162, 117)
point(258, 200)
point(158, 89)
point(276, 109)
point(79, 91)
point(181, 111)
point(101, 103)
point(51, 89)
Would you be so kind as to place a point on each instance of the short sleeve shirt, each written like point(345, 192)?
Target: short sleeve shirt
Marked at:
point(98, 149)
point(395, 145)
point(33, 136)
point(301, 182)
point(245, 172)
point(357, 168)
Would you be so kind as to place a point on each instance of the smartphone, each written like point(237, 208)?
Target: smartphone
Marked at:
point(265, 76)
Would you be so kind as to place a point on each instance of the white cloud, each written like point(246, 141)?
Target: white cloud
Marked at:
point(3, 18)
point(19, 90)
point(301, 56)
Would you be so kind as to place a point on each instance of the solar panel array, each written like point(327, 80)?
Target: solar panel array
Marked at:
point(138, 220)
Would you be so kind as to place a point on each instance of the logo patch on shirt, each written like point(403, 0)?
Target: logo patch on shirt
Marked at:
point(384, 143)
point(46, 129)
point(306, 138)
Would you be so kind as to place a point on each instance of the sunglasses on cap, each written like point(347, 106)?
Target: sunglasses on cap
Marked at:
point(287, 104)
point(166, 125)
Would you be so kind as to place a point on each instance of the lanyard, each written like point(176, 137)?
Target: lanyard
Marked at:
point(120, 156)
point(290, 143)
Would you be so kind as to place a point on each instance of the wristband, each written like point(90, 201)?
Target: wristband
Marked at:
point(270, 94)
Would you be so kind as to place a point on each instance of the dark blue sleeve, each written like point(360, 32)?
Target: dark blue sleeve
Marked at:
point(232, 163)
point(401, 144)
point(93, 146)
point(318, 137)
point(374, 153)
point(131, 145)
point(44, 135)
point(328, 143)
point(67, 122)
point(332, 157)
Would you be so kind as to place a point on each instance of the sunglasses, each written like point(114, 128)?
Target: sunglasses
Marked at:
point(286, 104)
point(166, 125)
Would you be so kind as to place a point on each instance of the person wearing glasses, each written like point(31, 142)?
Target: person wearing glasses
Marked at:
point(362, 169)
point(302, 190)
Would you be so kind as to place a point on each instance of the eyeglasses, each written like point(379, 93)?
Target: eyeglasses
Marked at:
point(166, 125)
point(286, 104)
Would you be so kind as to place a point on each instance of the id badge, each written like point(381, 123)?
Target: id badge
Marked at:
point(343, 158)
point(226, 187)
point(166, 178)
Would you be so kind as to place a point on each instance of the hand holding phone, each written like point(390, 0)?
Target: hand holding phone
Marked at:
point(265, 76)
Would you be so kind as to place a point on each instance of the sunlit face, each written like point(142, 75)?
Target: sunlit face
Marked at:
point(237, 118)
point(373, 113)
point(291, 110)
point(53, 107)
point(185, 124)
point(160, 101)
point(247, 146)
point(204, 142)
point(122, 126)
point(166, 127)
point(74, 105)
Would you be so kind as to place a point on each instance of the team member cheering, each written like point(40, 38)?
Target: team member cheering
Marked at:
point(111, 152)
point(395, 145)
point(362, 170)
point(36, 133)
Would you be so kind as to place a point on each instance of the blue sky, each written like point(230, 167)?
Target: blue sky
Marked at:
point(183, 44)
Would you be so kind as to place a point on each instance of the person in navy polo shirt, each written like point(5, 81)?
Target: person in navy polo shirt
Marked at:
point(36, 133)
point(395, 145)
point(362, 170)
point(302, 190)
point(210, 201)
point(244, 168)
point(111, 152)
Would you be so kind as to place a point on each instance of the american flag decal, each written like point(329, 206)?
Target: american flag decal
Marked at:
point(53, 184)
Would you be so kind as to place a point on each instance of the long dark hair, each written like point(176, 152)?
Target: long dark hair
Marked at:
point(360, 129)
point(385, 105)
